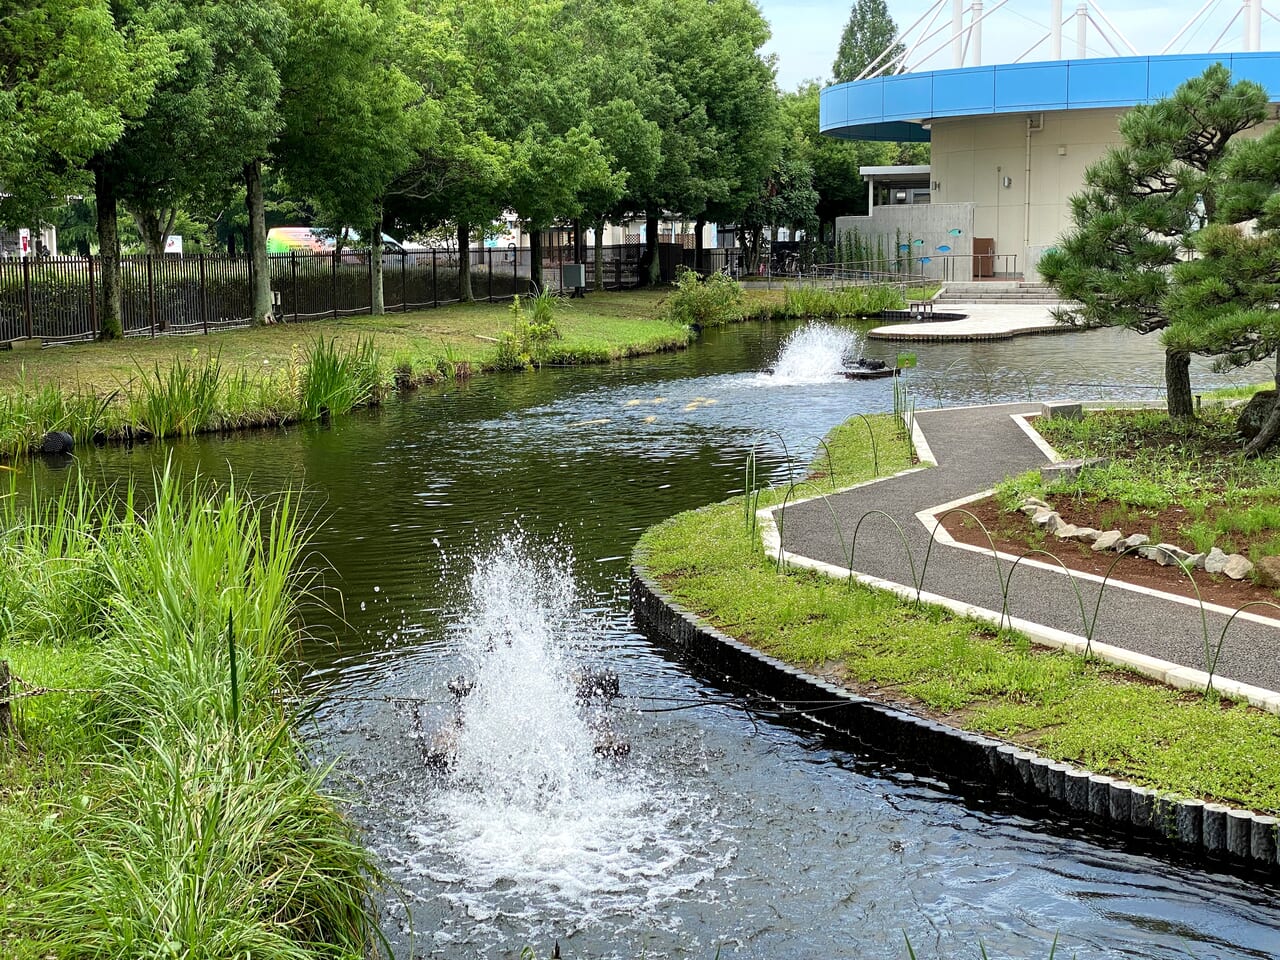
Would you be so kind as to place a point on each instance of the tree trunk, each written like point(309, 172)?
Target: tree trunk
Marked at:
point(377, 305)
point(579, 248)
point(231, 243)
point(599, 245)
point(698, 224)
point(535, 259)
point(262, 313)
point(464, 262)
point(1270, 427)
point(1177, 384)
point(155, 226)
point(650, 268)
point(112, 326)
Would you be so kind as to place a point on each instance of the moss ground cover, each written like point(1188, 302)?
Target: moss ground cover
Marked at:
point(1061, 705)
point(157, 804)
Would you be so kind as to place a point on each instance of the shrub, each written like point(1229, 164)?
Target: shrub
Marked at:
point(712, 302)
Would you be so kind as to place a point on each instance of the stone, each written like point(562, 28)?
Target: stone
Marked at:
point(1269, 572)
point(1063, 411)
point(1087, 534)
point(1047, 520)
point(1131, 541)
point(1215, 561)
point(1066, 531)
point(1196, 561)
point(1031, 509)
point(1070, 469)
point(1237, 567)
point(1107, 540)
point(1165, 554)
point(1255, 412)
point(1034, 502)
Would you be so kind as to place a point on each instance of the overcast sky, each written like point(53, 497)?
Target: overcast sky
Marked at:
point(807, 32)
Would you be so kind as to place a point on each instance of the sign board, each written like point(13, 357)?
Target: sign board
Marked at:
point(24, 242)
point(173, 244)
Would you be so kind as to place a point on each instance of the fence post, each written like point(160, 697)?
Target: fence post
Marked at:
point(293, 281)
point(6, 691)
point(333, 284)
point(93, 302)
point(151, 295)
point(26, 297)
point(435, 290)
point(491, 274)
point(369, 285)
point(617, 266)
point(404, 284)
point(204, 298)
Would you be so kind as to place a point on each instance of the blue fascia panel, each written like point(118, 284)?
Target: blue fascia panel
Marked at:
point(958, 93)
point(1031, 86)
point(1116, 82)
point(908, 96)
point(1263, 68)
point(1166, 74)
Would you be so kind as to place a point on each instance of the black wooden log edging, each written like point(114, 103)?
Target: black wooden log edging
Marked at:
point(1230, 836)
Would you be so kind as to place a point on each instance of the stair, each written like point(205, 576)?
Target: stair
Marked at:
point(998, 291)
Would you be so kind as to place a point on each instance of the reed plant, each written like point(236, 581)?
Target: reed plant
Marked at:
point(179, 400)
point(190, 823)
point(336, 380)
point(32, 409)
point(822, 302)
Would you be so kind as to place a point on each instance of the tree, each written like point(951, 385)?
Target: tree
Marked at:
point(786, 199)
point(69, 81)
point(349, 113)
point(869, 33)
point(717, 110)
point(1141, 203)
point(1223, 302)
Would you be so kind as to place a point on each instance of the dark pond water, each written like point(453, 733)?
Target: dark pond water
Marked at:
point(507, 508)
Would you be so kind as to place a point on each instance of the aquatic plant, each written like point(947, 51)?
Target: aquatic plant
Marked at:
point(334, 381)
point(704, 302)
point(179, 400)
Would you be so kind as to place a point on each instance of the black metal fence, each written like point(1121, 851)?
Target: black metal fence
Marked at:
point(57, 299)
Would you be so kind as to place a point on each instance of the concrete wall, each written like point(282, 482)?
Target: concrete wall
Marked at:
point(974, 157)
point(931, 222)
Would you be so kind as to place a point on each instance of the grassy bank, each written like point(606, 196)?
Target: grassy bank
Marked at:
point(267, 376)
point(1058, 704)
point(156, 804)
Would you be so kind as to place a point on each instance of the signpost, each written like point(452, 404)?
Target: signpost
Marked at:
point(24, 242)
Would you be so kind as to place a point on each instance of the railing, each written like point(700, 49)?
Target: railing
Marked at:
point(928, 269)
point(58, 299)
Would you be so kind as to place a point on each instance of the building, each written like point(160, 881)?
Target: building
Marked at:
point(1009, 143)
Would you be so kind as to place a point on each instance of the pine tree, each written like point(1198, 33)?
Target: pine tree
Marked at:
point(1141, 203)
point(869, 32)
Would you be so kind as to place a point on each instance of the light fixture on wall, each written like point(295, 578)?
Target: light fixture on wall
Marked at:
point(1006, 182)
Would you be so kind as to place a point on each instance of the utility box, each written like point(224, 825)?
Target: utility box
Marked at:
point(573, 276)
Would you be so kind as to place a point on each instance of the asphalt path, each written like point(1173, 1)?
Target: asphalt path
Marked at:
point(976, 447)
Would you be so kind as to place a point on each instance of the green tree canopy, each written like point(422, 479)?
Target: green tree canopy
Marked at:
point(869, 32)
point(70, 79)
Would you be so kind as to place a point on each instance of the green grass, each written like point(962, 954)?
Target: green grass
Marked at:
point(167, 811)
point(1156, 463)
point(1061, 705)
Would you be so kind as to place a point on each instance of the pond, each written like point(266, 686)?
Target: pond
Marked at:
point(507, 508)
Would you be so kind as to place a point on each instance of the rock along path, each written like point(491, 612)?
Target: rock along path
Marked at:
point(975, 448)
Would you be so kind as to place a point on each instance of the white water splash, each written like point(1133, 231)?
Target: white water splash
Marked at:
point(530, 822)
point(811, 354)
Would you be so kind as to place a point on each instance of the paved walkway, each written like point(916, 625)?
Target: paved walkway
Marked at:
point(976, 448)
point(985, 321)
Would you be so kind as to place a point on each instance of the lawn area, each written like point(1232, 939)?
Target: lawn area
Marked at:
point(602, 326)
point(1058, 704)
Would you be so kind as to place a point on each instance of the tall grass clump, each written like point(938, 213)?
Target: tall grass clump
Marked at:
point(179, 401)
point(862, 301)
point(710, 302)
point(528, 341)
point(334, 381)
point(190, 823)
point(31, 410)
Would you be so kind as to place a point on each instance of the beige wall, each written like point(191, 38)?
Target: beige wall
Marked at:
point(971, 156)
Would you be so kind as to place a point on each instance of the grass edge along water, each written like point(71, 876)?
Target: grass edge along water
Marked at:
point(163, 807)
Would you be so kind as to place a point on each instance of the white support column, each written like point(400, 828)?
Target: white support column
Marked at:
point(957, 33)
point(975, 32)
point(1082, 24)
point(1252, 25)
point(1055, 29)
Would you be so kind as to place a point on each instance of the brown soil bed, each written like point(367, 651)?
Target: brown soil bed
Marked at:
point(1014, 534)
